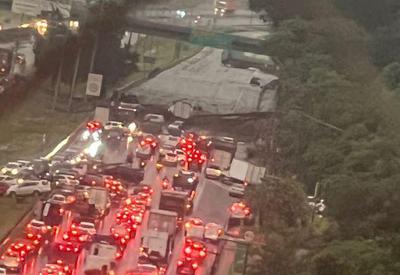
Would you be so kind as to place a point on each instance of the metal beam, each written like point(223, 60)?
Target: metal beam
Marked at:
point(197, 36)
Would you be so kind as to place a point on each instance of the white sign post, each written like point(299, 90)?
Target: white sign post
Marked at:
point(94, 82)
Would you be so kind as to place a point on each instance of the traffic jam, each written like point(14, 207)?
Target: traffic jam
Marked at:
point(133, 215)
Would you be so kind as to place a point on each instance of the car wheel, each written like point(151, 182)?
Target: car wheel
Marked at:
point(36, 193)
point(13, 195)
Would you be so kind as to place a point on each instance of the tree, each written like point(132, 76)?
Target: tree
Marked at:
point(391, 75)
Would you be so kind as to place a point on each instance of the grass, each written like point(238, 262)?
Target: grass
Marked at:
point(24, 127)
point(11, 212)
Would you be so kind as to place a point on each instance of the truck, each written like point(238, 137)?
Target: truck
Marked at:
point(99, 197)
point(221, 158)
point(157, 243)
point(103, 252)
point(176, 201)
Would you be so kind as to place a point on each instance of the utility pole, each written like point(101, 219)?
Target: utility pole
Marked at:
point(58, 82)
point(72, 88)
point(96, 45)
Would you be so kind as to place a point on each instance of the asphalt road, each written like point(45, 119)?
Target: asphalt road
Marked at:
point(211, 204)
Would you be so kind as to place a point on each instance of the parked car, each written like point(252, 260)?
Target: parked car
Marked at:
point(12, 168)
point(8, 179)
point(29, 187)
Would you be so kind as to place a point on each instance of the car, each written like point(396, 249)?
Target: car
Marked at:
point(213, 231)
point(66, 172)
point(122, 233)
point(168, 143)
point(3, 187)
point(194, 250)
point(186, 267)
point(184, 178)
point(144, 188)
point(115, 134)
point(12, 168)
point(143, 151)
point(58, 199)
point(175, 128)
point(156, 118)
point(24, 163)
point(149, 140)
point(113, 124)
point(29, 187)
point(64, 179)
point(170, 158)
point(15, 256)
point(57, 268)
point(73, 241)
point(91, 180)
point(213, 172)
point(87, 228)
point(146, 269)
point(94, 125)
point(180, 154)
point(194, 227)
point(131, 216)
point(8, 179)
point(239, 210)
point(37, 228)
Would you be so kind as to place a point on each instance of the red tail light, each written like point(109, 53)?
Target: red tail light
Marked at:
point(188, 250)
point(202, 254)
point(195, 265)
point(180, 263)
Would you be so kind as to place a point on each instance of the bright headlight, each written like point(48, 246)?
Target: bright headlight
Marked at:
point(14, 171)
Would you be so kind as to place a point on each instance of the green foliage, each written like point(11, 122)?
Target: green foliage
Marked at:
point(355, 257)
point(391, 75)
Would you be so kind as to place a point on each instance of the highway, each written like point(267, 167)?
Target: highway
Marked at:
point(211, 204)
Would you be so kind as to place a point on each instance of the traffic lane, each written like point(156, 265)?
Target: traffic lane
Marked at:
point(212, 204)
point(116, 151)
point(48, 253)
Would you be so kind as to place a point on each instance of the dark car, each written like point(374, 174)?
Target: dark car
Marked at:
point(3, 188)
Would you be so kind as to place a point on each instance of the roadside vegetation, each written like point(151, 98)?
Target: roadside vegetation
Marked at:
point(338, 125)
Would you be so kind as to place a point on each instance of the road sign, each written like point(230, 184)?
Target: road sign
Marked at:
point(35, 7)
point(94, 82)
point(28, 7)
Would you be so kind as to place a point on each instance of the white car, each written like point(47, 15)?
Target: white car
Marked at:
point(194, 228)
point(156, 118)
point(24, 163)
point(58, 199)
point(175, 128)
point(213, 172)
point(213, 231)
point(87, 227)
point(113, 124)
point(65, 179)
point(181, 155)
point(12, 168)
point(170, 158)
point(29, 187)
point(7, 179)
